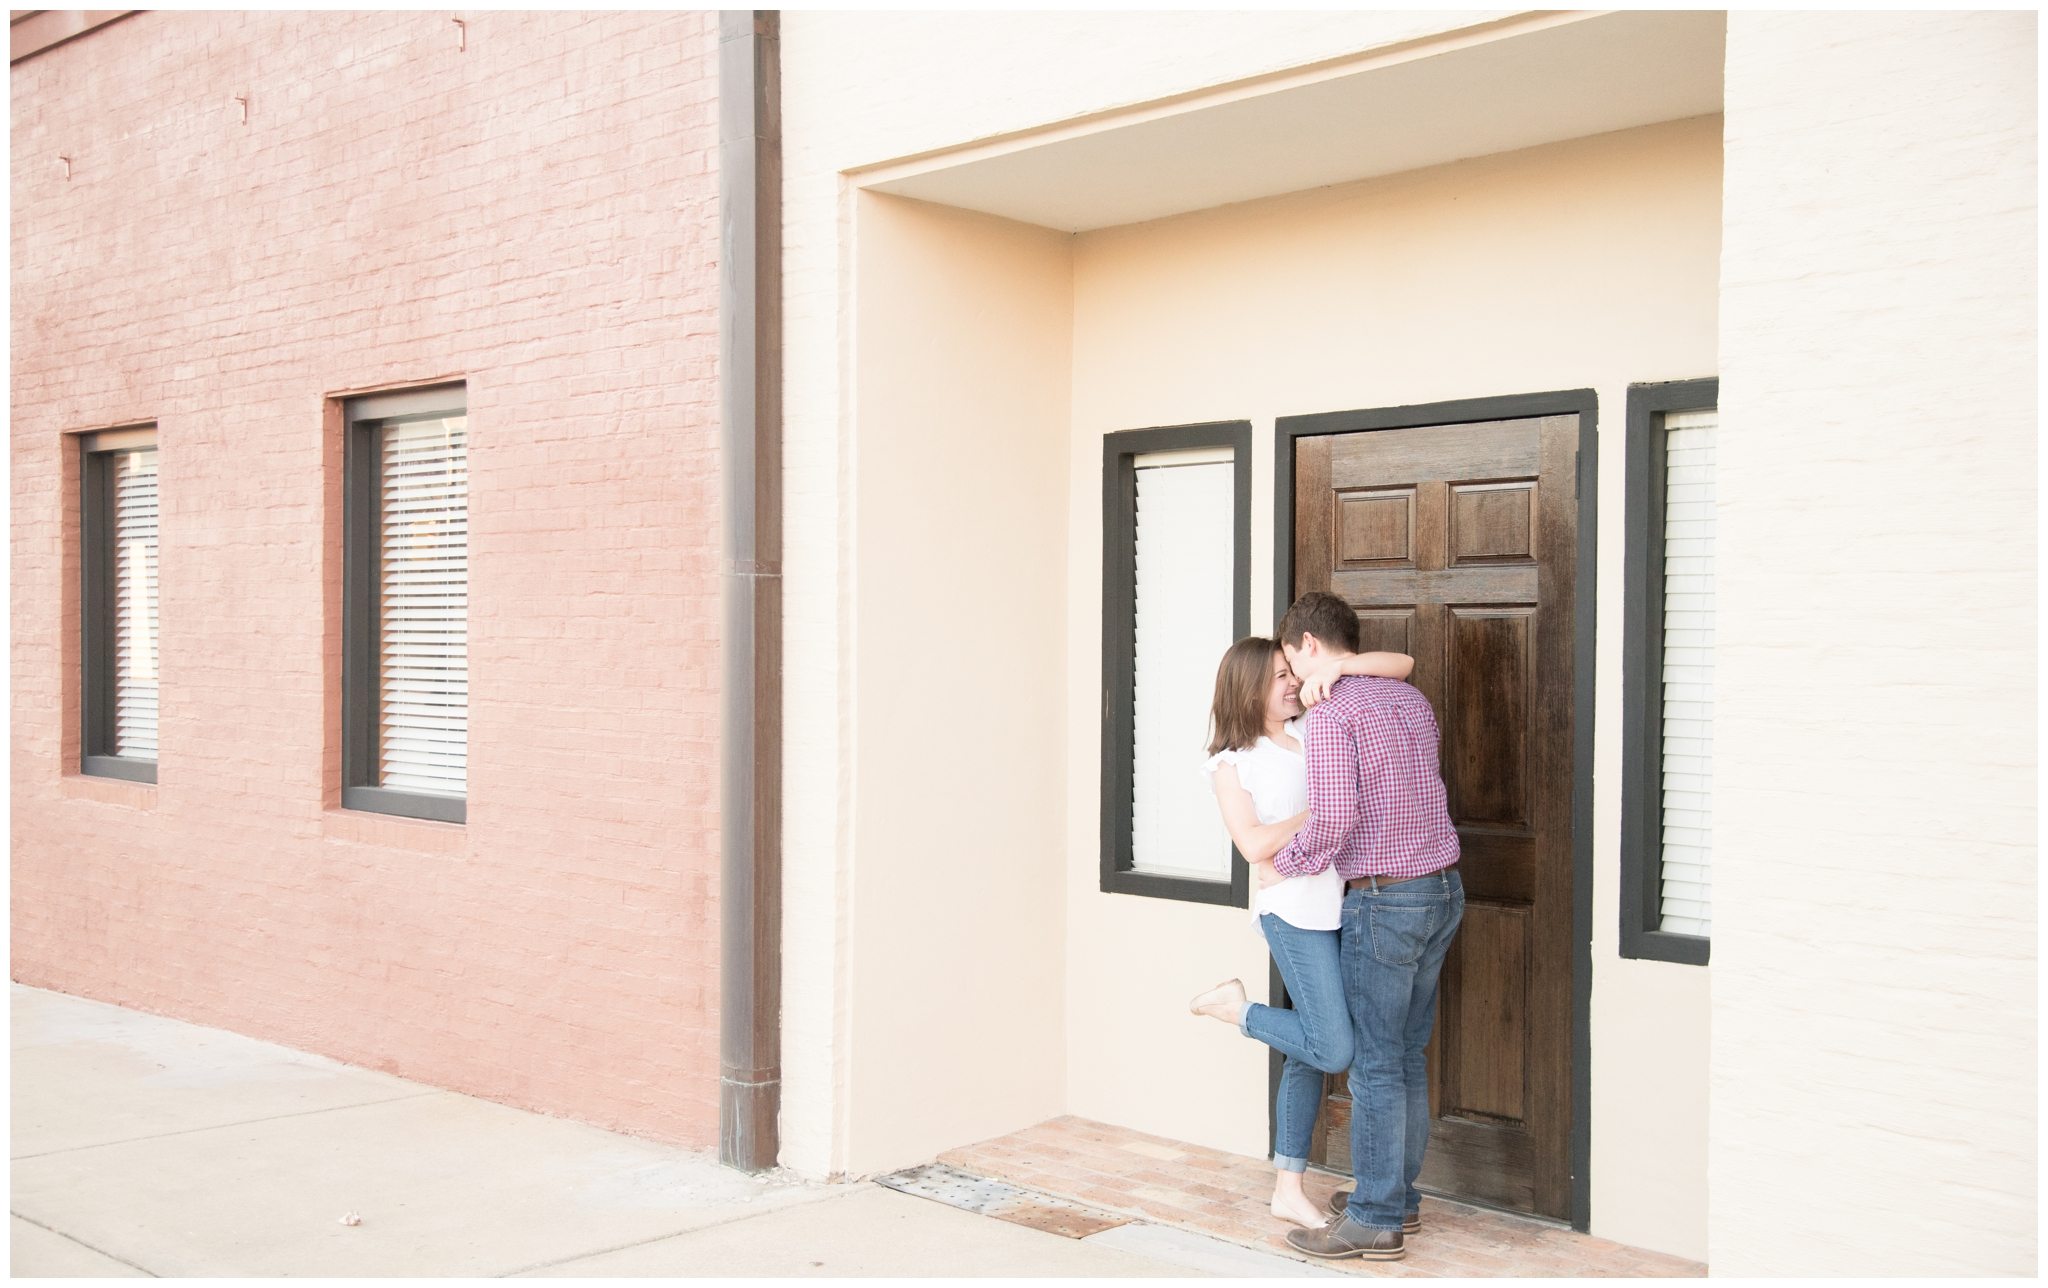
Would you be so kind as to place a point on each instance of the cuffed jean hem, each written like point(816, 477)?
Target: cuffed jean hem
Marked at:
point(1285, 1164)
point(1244, 1017)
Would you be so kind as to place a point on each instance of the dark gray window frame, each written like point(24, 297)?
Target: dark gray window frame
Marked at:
point(1119, 626)
point(1641, 668)
point(362, 421)
point(96, 599)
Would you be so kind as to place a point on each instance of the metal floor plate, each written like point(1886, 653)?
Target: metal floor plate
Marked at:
point(1002, 1200)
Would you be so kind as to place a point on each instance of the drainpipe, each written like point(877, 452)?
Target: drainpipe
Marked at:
point(750, 705)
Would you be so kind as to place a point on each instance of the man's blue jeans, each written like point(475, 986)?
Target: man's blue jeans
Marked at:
point(1315, 1035)
point(1393, 942)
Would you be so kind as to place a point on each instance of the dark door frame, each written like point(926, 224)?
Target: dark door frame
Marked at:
point(1584, 404)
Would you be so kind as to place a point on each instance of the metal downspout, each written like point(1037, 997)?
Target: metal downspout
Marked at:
point(750, 705)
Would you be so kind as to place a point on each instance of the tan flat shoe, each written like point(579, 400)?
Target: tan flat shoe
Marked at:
point(1307, 1220)
point(1224, 1002)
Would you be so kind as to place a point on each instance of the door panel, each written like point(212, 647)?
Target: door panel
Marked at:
point(1387, 630)
point(1488, 1078)
point(1487, 704)
point(1456, 545)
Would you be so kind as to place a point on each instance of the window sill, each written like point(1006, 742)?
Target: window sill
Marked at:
point(1159, 885)
point(394, 832)
point(109, 791)
point(1664, 946)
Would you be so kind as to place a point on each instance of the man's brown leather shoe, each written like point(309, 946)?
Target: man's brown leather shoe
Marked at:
point(1344, 1238)
point(1411, 1222)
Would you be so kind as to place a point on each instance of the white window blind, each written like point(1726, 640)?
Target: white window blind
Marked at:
point(1184, 585)
point(423, 645)
point(1686, 894)
point(135, 603)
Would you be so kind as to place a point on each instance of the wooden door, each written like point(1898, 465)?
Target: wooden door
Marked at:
point(1456, 544)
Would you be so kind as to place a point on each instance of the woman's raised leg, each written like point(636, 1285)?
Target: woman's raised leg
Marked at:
point(1315, 1037)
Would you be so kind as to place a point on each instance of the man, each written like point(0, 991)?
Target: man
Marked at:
point(1377, 812)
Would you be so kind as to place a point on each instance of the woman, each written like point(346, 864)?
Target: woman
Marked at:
point(1261, 782)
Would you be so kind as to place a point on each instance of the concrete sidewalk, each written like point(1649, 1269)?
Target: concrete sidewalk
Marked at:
point(147, 1146)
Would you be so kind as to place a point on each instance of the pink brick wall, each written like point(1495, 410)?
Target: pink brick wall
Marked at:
point(537, 215)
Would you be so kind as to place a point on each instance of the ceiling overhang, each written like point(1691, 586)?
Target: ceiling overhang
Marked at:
point(1507, 85)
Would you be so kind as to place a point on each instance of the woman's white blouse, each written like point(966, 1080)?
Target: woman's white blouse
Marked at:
point(1278, 782)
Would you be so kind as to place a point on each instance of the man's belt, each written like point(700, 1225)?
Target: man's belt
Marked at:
point(1367, 882)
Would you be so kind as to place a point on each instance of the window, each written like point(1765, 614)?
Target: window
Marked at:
point(405, 615)
point(118, 547)
point(1176, 588)
point(1668, 681)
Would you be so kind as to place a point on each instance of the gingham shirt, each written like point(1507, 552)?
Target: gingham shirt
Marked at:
point(1375, 794)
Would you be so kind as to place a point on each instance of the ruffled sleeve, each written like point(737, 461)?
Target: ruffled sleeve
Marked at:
point(1239, 759)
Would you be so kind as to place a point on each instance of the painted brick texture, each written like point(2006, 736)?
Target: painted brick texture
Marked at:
point(535, 214)
point(1875, 884)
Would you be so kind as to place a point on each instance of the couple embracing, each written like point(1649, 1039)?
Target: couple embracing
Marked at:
point(1341, 813)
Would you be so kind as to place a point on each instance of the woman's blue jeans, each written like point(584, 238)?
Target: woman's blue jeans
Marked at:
point(1315, 1035)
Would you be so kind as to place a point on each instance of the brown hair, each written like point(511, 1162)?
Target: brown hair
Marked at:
point(1237, 715)
point(1323, 615)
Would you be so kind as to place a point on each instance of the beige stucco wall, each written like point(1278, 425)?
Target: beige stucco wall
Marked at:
point(1870, 1051)
point(1874, 1022)
point(857, 90)
point(1591, 263)
point(959, 499)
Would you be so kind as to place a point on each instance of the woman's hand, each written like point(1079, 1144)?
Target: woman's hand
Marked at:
point(1267, 874)
point(1315, 686)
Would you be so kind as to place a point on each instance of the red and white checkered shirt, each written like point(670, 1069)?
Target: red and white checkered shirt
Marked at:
point(1376, 803)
